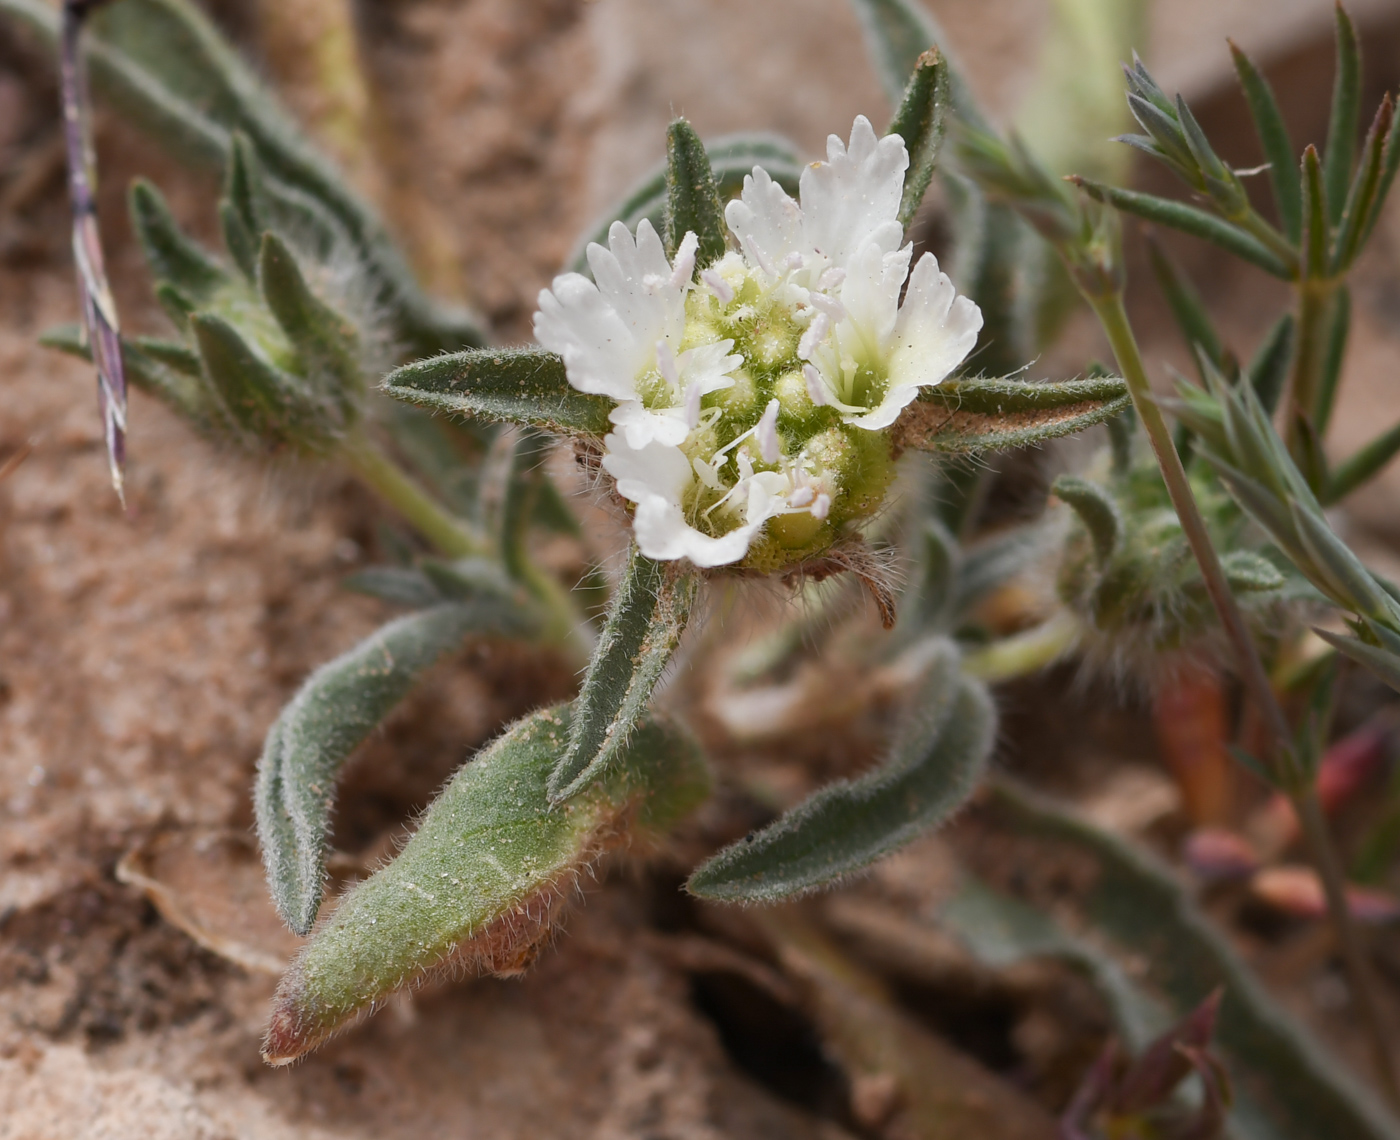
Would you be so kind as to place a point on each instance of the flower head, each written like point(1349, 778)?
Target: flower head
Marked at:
point(753, 397)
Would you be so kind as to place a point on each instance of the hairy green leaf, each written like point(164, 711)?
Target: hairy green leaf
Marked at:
point(732, 157)
point(649, 612)
point(1188, 219)
point(1286, 1088)
point(1336, 330)
point(976, 414)
point(324, 340)
point(1316, 232)
point(172, 256)
point(933, 766)
point(399, 585)
point(1361, 199)
point(920, 123)
point(1096, 510)
point(692, 199)
point(1345, 120)
point(518, 385)
point(485, 877)
point(270, 404)
point(1277, 146)
point(332, 714)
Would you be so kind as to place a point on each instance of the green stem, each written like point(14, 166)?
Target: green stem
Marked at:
point(452, 536)
point(1274, 241)
point(1314, 306)
point(1025, 652)
point(1114, 319)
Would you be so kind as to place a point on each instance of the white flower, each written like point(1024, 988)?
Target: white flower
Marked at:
point(751, 403)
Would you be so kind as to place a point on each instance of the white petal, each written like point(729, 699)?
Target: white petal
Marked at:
point(769, 446)
point(654, 469)
point(709, 365)
point(887, 411)
point(767, 222)
point(936, 328)
point(634, 276)
point(662, 533)
point(871, 298)
point(641, 426)
point(853, 197)
point(600, 353)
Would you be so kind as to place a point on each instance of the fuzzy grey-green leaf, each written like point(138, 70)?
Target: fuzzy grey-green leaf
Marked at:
point(644, 626)
point(972, 415)
point(933, 767)
point(692, 199)
point(332, 713)
point(518, 385)
point(172, 256)
point(1096, 510)
point(482, 881)
point(920, 122)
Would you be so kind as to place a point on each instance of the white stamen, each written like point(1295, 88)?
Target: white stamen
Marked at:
point(801, 497)
point(692, 405)
point(706, 474)
point(767, 433)
point(792, 261)
point(815, 334)
point(666, 365)
point(745, 464)
point(685, 260)
point(718, 285)
point(822, 507)
point(828, 305)
point(816, 387)
point(832, 278)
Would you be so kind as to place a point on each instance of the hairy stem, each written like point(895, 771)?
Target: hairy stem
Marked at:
point(1314, 305)
point(452, 536)
point(1109, 309)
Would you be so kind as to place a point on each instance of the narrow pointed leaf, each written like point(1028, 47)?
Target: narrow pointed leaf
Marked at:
point(644, 626)
point(1361, 199)
point(1345, 121)
point(1381, 662)
point(518, 385)
point(1286, 1086)
point(1186, 305)
point(242, 246)
point(1002, 931)
point(1340, 574)
point(270, 404)
point(920, 122)
point(692, 199)
point(1336, 330)
point(326, 342)
point(1268, 370)
point(1188, 219)
point(897, 33)
point(1096, 510)
point(178, 306)
point(1362, 467)
point(935, 764)
point(987, 415)
point(244, 185)
point(1316, 235)
point(332, 714)
point(398, 585)
point(485, 877)
point(172, 256)
point(732, 158)
point(1164, 129)
point(1390, 163)
point(1277, 146)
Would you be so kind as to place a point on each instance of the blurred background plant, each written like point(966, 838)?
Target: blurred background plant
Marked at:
point(1171, 568)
